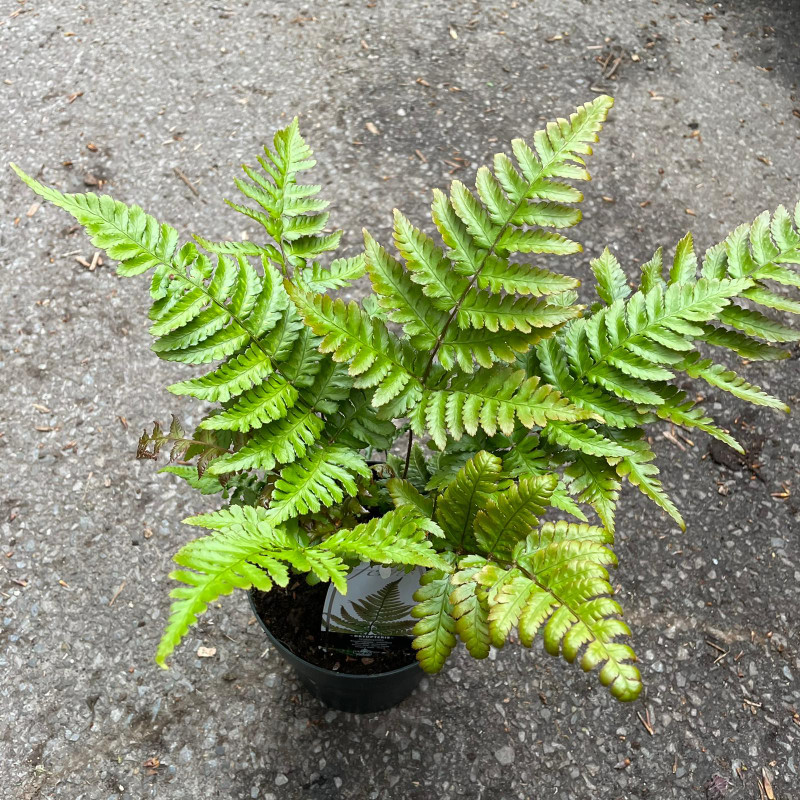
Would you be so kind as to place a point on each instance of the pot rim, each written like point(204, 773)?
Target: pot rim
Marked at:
point(286, 652)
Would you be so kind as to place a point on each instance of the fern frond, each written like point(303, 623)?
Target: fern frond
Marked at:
point(319, 479)
point(292, 215)
point(729, 381)
point(244, 551)
point(581, 438)
point(509, 516)
point(465, 495)
point(377, 357)
point(126, 233)
point(560, 582)
point(434, 633)
point(427, 264)
point(246, 248)
point(463, 346)
point(491, 401)
point(398, 537)
point(202, 445)
point(612, 283)
point(221, 563)
point(525, 279)
point(680, 411)
point(404, 493)
point(684, 265)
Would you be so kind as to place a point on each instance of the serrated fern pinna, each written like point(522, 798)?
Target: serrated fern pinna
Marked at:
point(516, 401)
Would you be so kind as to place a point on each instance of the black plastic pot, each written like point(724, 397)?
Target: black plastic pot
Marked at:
point(359, 694)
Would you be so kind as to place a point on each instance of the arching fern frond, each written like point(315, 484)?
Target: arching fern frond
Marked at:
point(559, 582)
point(244, 551)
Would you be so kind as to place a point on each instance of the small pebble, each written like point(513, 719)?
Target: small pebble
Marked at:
point(505, 755)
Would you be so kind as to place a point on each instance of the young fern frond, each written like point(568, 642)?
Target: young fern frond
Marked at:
point(518, 402)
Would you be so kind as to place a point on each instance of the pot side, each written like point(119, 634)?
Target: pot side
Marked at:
point(358, 694)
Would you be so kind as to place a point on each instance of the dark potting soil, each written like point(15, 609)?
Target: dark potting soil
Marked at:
point(294, 614)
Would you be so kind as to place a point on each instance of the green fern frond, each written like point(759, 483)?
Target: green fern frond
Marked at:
point(356, 424)
point(434, 633)
point(465, 495)
point(580, 438)
point(292, 215)
point(221, 563)
point(246, 248)
point(491, 401)
point(464, 346)
point(377, 358)
point(729, 381)
point(509, 516)
point(398, 537)
point(612, 283)
point(287, 438)
point(404, 493)
point(244, 551)
point(317, 480)
point(680, 411)
point(126, 233)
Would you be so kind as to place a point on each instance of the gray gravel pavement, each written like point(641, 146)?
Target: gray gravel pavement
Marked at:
point(705, 135)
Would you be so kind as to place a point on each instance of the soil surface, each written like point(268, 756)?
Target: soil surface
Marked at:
point(293, 615)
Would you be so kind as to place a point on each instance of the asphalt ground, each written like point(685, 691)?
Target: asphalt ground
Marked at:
point(158, 103)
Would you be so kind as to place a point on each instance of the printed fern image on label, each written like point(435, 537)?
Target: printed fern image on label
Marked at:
point(375, 614)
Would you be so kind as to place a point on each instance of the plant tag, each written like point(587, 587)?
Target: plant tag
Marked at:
point(375, 614)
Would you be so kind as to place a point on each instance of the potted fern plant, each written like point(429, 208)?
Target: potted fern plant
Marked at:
point(462, 421)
